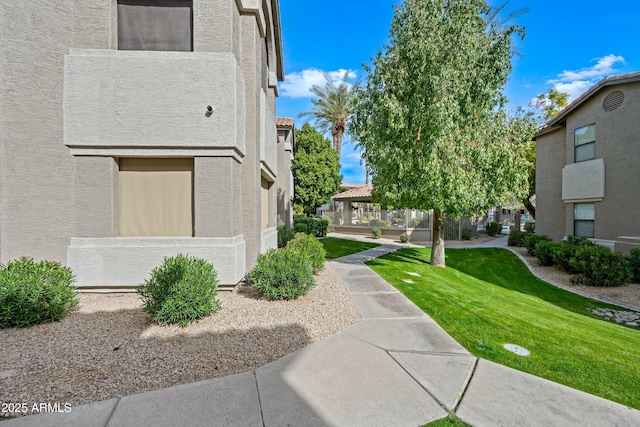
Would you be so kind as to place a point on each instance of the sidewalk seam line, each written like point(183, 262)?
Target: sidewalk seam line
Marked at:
point(438, 401)
point(111, 412)
point(255, 381)
point(466, 387)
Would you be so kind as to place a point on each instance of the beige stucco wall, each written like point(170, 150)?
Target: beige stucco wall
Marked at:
point(617, 148)
point(618, 144)
point(550, 209)
point(284, 178)
point(61, 203)
point(36, 182)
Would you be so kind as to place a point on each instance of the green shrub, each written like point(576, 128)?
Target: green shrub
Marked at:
point(544, 252)
point(35, 292)
point(529, 227)
point(404, 237)
point(284, 235)
point(562, 254)
point(493, 228)
point(564, 251)
point(530, 241)
point(467, 233)
point(314, 226)
point(282, 274)
point(516, 238)
point(311, 248)
point(180, 290)
point(377, 233)
point(579, 240)
point(598, 266)
point(634, 261)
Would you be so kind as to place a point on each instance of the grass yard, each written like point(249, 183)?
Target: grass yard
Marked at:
point(337, 248)
point(487, 297)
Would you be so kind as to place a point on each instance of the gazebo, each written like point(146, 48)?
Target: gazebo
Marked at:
point(357, 214)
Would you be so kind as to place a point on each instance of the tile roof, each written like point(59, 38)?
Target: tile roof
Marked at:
point(552, 123)
point(284, 122)
point(360, 192)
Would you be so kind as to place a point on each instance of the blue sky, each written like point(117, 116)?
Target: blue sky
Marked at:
point(569, 45)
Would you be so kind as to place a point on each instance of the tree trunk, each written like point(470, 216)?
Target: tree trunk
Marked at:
point(437, 240)
point(337, 142)
point(532, 209)
point(366, 169)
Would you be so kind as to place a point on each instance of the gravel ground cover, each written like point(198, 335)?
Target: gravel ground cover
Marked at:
point(108, 347)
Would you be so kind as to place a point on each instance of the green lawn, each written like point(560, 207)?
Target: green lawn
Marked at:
point(337, 248)
point(487, 297)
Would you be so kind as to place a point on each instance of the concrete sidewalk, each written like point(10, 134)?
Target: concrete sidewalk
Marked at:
point(395, 367)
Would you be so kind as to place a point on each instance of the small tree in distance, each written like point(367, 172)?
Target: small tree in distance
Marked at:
point(432, 116)
point(315, 167)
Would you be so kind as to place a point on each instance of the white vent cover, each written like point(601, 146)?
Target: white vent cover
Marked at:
point(613, 100)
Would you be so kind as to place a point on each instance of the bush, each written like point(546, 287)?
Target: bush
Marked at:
point(579, 240)
point(35, 292)
point(516, 238)
point(598, 266)
point(544, 252)
point(282, 274)
point(562, 254)
point(377, 233)
point(530, 241)
point(493, 228)
point(564, 251)
point(314, 226)
point(284, 235)
point(529, 227)
point(467, 233)
point(311, 248)
point(180, 290)
point(634, 261)
point(404, 237)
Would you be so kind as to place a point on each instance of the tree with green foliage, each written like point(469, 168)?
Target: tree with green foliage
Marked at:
point(332, 108)
point(550, 103)
point(432, 114)
point(315, 167)
point(522, 128)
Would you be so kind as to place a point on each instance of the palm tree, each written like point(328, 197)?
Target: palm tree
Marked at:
point(332, 108)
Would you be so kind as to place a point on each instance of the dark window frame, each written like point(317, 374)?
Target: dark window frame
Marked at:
point(584, 146)
point(158, 3)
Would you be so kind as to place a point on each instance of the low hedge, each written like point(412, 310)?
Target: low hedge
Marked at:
point(315, 226)
point(634, 260)
point(493, 228)
point(284, 273)
point(181, 290)
point(311, 248)
point(598, 266)
point(35, 292)
point(285, 234)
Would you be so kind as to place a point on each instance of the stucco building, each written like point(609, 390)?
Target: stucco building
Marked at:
point(588, 166)
point(131, 130)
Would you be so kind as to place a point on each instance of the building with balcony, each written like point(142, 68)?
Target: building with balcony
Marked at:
point(131, 130)
point(587, 166)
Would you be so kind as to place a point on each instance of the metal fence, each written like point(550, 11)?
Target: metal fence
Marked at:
point(378, 218)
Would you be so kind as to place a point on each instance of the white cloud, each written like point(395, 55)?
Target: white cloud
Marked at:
point(577, 82)
point(298, 84)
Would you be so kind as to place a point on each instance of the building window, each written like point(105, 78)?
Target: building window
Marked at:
point(155, 25)
point(583, 219)
point(585, 143)
point(265, 186)
point(156, 197)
